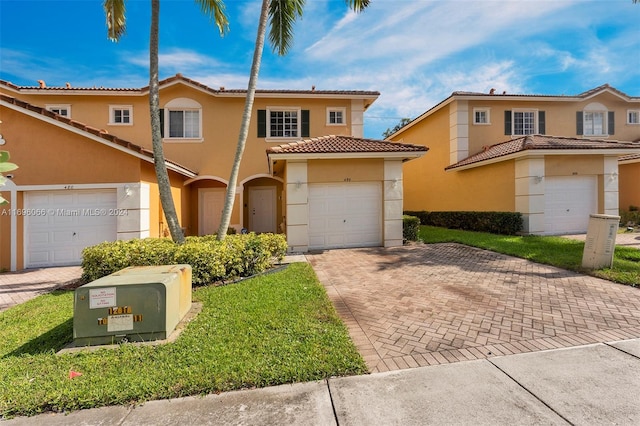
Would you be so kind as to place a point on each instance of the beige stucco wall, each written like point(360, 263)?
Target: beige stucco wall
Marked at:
point(427, 186)
point(629, 185)
point(221, 119)
point(560, 118)
point(354, 170)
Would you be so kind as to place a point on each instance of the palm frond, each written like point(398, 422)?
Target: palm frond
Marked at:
point(215, 10)
point(115, 12)
point(357, 5)
point(282, 16)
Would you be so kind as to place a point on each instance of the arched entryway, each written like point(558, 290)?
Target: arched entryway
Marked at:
point(263, 203)
point(209, 194)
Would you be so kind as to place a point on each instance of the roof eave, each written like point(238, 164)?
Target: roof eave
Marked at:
point(542, 153)
point(344, 155)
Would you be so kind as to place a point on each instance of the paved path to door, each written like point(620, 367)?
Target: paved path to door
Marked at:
point(18, 287)
point(436, 304)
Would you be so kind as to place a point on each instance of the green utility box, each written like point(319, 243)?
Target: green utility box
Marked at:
point(134, 304)
point(185, 280)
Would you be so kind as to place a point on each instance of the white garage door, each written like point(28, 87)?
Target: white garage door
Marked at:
point(345, 215)
point(65, 222)
point(569, 200)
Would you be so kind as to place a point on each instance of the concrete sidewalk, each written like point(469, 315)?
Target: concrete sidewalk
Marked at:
point(593, 384)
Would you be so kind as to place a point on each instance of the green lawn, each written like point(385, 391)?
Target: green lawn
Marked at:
point(274, 329)
point(557, 251)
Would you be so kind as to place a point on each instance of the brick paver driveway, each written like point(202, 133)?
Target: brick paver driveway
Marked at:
point(432, 304)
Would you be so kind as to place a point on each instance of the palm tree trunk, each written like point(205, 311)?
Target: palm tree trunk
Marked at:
point(246, 120)
point(164, 185)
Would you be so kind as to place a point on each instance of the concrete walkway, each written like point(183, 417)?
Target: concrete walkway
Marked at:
point(587, 385)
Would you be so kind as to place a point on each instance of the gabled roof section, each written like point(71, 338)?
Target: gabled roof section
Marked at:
point(345, 146)
point(90, 132)
point(461, 95)
point(180, 79)
point(558, 144)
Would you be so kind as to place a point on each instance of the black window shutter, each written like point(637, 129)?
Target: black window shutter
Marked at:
point(507, 122)
point(579, 128)
point(304, 128)
point(262, 123)
point(541, 123)
point(612, 123)
point(162, 122)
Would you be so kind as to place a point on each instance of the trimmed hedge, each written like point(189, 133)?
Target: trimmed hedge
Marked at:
point(507, 223)
point(239, 255)
point(410, 228)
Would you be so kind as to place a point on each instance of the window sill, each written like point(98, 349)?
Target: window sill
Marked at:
point(120, 124)
point(482, 124)
point(183, 140)
point(287, 139)
point(336, 124)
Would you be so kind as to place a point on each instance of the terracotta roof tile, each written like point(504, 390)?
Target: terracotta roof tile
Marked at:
point(180, 77)
point(630, 157)
point(535, 142)
point(343, 144)
point(81, 126)
point(533, 95)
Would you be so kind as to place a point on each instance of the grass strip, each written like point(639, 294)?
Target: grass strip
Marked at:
point(556, 251)
point(269, 330)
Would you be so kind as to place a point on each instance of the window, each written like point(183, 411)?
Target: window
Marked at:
point(63, 110)
point(280, 123)
point(184, 124)
point(182, 119)
point(595, 120)
point(594, 123)
point(336, 116)
point(481, 116)
point(120, 114)
point(283, 124)
point(633, 116)
point(524, 122)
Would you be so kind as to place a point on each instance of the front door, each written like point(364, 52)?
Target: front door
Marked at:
point(262, 209)
point(211, 206)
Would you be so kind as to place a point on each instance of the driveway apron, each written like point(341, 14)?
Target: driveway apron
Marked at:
point(433, 304)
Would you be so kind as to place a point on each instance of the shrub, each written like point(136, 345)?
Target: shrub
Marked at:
point(239, 255)
point(507, 223)
point(410, 228)
point(631, 217)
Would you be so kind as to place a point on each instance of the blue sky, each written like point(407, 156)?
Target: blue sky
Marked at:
point(415, 52)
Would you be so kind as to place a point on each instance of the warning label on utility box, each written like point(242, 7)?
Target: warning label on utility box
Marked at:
point(120, 322)
point(102, 297)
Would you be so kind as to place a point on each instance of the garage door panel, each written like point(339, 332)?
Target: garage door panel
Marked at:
point(57, 238)
point(345, 215)
point(569, 200)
